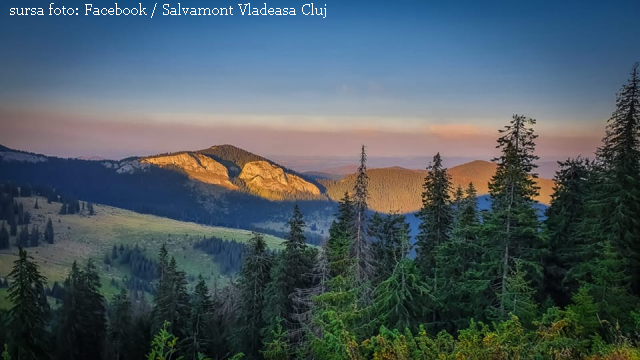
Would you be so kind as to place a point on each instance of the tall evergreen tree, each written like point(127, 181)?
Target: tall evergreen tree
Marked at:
point(392, 236)
point(288, 274)
point(199, 337)
point(564, 216)
point(4, 237)
point(619, 201)
point(34, 237)
point(120, 322)
point(436, 216)
point(83, 328)
point(341, 235)
point(23, 238)
point(361, 246)
point(171, 301)
point(48, 232)
point(253, 280)
point(29, 314)
point(512, 227)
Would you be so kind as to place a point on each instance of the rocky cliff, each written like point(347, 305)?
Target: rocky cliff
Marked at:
point(264, 178)
point(196, 166)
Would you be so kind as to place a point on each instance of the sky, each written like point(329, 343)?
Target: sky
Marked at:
point(405, 78)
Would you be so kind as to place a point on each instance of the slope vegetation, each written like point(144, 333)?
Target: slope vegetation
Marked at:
point(79, 237)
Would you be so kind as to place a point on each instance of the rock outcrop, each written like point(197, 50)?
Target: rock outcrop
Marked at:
point(21, 157)
point(196, 166)
point(264, 178)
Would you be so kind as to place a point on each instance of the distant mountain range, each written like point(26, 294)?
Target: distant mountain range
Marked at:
point(228, 186)
point(399, 189)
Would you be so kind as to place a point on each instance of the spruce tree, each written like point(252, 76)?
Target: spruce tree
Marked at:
point(436, 216)
point(361, 246)
point(392, 236)
point(34, 237)
point(340, 238)
point(288, 274)
point(564, 217)
point(200, 325)
point(4, 237)
point(23, 239)
point(48, 232)
point(120, 322)
point(512, 227)
point(455, 261)
point(171, 301)
point(29, 314)
point(252, 282)
point(619, 201)
point(83, 328)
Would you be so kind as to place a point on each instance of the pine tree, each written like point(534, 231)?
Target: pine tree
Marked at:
point(436, 216)
point(513, 223)
point(4, 237)
point(29, 314)
point(48, 232)
point(619, 201)
point(119, 331)
point(253, 280)
point(63, 209)
point(36, 205)
point(90, 208)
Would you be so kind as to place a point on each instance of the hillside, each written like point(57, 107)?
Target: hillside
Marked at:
point(80, 237)
point(400, 189)
point(222, 185)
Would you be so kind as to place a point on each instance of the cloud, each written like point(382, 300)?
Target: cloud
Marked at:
point(69, 134)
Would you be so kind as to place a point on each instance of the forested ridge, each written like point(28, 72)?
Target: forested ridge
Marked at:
point(495, 284)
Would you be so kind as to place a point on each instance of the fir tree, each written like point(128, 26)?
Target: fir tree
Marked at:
point(36, 204)
point(340, 238)
point(436, 216)
point(90, 209)
point(29, 314)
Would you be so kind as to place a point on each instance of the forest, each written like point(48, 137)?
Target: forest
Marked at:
point(491, 284)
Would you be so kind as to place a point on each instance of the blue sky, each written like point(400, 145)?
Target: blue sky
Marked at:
point(452, 71)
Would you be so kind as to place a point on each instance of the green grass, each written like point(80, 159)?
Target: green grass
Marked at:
point(4, 300)
point(80, 237)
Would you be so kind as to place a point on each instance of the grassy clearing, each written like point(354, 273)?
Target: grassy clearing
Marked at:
point(80, 237)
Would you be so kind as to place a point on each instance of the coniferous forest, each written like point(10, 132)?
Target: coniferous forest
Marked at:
point(506, 283)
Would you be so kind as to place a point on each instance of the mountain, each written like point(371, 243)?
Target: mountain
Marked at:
point(399, 189)
point(222, 185)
